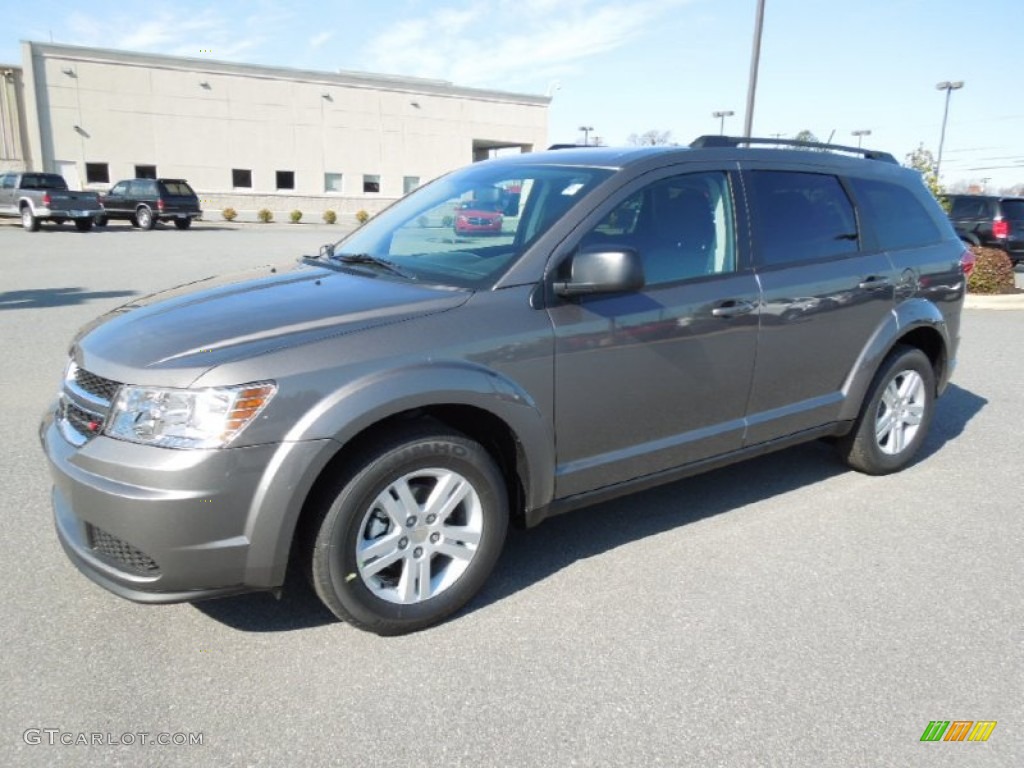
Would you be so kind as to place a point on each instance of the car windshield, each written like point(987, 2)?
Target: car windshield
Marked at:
point(431, 235)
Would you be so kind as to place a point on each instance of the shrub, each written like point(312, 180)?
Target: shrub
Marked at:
point(265, 215)
point(296, 216)
point(330, 216)
point(229, 214)
point(362, 216)
point(447, 221)
point(993, 272)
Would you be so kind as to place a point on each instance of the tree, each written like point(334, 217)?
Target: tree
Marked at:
point(806, 135)
point(652, 138)
point(923, 161)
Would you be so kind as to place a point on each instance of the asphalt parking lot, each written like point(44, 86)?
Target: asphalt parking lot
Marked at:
point(783, 612)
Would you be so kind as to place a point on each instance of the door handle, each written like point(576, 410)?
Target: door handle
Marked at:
point(733, 308)
point(873, 281)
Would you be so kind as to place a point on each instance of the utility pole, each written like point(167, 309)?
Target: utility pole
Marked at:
point(754, 59)
point(948, 87)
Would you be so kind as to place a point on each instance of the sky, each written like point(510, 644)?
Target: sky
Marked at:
point(630, 66)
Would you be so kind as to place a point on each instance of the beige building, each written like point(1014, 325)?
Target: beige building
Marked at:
point(250, 136)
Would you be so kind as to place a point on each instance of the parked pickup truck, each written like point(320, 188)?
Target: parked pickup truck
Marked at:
point(38, 197)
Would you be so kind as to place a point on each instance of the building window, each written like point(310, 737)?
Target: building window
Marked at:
point(286, 179)
point(409, 183)
point(145, 171)
point(371, 183)
point(97, 173)
point(241, 178)
point(332, 182)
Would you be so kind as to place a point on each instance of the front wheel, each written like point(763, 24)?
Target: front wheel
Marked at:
point(406, 538)
point(101, 221)
point(894, 419)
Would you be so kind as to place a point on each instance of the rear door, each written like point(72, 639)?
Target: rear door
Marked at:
point(826, 289)
point(1012, 209)
point(657, 378)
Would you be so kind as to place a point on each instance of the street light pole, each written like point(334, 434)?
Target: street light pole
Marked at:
point(947, 86)
point(721, 117)
point(754, 59)
point(860, 134)
point(586, 134)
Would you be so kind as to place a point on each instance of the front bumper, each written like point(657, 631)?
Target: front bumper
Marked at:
point(161, 526)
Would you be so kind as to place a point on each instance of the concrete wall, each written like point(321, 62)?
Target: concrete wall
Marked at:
point(199, 120)
point(13, 141)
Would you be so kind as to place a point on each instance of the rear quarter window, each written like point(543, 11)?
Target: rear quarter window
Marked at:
point(177, 189)
point(969, 208)
point(896, 214)
point(1013, 210)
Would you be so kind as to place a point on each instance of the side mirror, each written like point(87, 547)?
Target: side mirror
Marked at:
point(597, 269)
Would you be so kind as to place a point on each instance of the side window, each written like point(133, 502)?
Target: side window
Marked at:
point(7, 181)
point(120, 188)
point(683, 227)
point(801, 217)
point(897, 216)
point(968, 208)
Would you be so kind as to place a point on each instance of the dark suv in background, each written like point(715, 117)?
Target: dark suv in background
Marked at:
point(996, 222)
point(381, 413)
point(144, 202)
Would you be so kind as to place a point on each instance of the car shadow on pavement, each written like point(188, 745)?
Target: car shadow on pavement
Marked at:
point(43, 298)
point(531, 556)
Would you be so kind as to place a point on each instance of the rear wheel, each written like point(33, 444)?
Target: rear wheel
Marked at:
point(894, 420)
point(407, 537)
point(183, 223)
point(83, 225)
point(28, 221)
point(144, 217)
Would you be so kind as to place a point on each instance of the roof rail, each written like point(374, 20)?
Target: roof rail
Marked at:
point(705, 142)
point(570, 146)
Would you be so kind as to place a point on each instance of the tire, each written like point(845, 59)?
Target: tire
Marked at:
point(29, 222)
point(367, 564)
point(183, 223)
point(102, 221)
point(144, 218)
point(895, 417)
point(83, 225)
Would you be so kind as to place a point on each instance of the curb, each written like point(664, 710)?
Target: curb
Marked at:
point(1006, 301)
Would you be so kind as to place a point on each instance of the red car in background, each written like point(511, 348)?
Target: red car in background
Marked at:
point(478, 217)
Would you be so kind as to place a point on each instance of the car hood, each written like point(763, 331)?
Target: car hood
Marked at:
point(172, 337)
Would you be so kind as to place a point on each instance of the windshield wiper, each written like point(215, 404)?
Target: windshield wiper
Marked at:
point(365, 258)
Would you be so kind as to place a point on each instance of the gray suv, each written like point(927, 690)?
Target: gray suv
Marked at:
point(382, 412)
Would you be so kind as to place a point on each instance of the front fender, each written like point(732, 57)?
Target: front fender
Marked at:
point(367, 401)
point(904, 318)
point(337, 419)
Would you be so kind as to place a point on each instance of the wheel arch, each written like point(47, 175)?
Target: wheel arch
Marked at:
point(509, 428)
point(916, 323)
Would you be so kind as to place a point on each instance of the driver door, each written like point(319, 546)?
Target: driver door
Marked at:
point(658, 378)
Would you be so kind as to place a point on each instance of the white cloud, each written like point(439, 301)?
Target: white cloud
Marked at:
point(202, 34)
point(493, 43)
point(317, 40)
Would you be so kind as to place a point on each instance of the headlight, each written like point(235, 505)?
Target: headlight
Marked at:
point(186, 418)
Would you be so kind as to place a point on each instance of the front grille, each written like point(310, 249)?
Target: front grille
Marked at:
point(97, 386)
point(121, 552)
point(84, 423)
point(84, 404)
